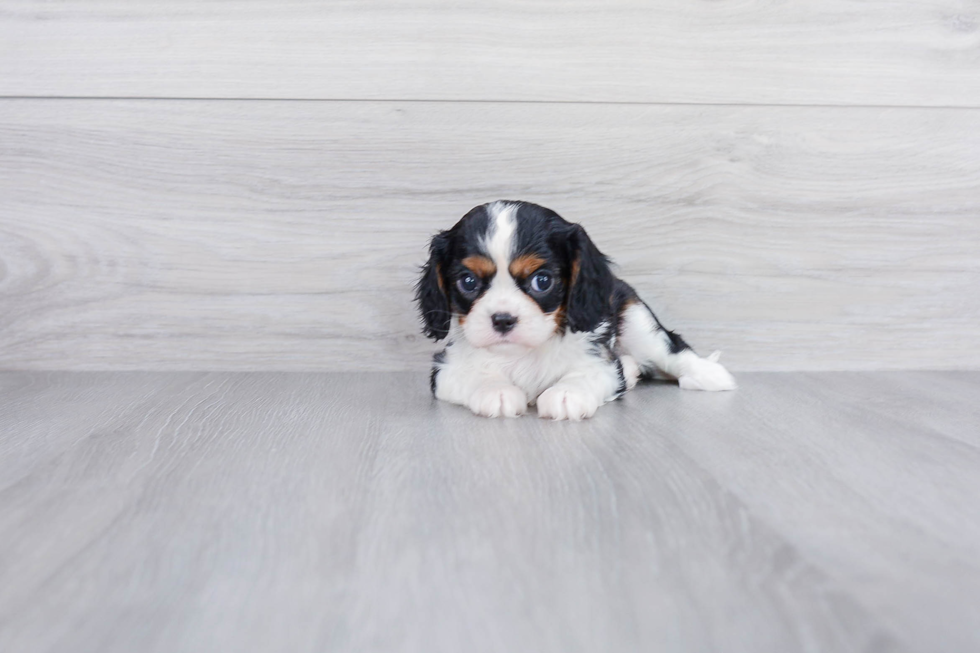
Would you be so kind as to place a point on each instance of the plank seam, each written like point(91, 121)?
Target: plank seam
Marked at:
point(141, 98)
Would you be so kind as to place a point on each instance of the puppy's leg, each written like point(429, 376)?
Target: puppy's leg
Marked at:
point(643, 338)
point(468, 377)
point(579, 393)
point(631, 370)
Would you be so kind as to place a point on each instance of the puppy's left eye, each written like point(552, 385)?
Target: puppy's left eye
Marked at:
point(541, 283)
point(468, 285)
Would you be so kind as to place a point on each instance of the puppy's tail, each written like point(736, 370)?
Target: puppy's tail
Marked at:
point(658, 351)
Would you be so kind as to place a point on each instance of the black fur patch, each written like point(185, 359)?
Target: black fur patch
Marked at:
point(621, 389)
point(534, 235)
point(623, 296)
point(429, 291)
point(437, 359)
point(436, 292)
point(677, 343)
point(591, 283)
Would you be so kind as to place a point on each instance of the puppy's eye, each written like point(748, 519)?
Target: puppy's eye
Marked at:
point(468, 285)
point(541, 283)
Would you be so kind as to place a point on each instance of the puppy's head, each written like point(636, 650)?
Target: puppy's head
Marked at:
point(513, 274)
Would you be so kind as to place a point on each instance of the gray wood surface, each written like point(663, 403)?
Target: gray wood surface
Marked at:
point(288, 512)
point(287, 235)
point(754, 51)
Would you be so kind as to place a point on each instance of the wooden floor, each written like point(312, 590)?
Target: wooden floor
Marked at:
point(316, 512)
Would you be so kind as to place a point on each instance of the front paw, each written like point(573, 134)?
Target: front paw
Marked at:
point(566, 402)
point(706, 374)
point(498, 401)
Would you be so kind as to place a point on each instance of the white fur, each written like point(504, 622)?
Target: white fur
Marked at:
point(631, 370)
point(564, 375)
point(498, 400)
point(643, 339)
point(568, 400)
point(499, 242)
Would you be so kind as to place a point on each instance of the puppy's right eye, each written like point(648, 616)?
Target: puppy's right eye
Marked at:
point(468, 285)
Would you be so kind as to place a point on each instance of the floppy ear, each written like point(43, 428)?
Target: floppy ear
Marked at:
point(430, 291)
point(590, 283)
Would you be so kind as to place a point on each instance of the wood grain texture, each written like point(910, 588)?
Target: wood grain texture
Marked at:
point(284, 512)
point(877, 52)
point(287, 235)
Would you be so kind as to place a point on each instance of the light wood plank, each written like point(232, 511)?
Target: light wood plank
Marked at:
point(821, 52)
point(26, 445)
point(904, 447)
point(287, 235)
point(286, 512)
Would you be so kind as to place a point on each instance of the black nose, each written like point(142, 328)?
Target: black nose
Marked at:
point(503, 322)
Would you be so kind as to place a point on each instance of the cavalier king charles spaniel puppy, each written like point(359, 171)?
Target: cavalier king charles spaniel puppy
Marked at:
point(533, 314)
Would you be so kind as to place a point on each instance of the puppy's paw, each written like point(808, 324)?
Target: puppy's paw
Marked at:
point(706, 374)
point(566, 402)
point(631, 371)
point(498, 400)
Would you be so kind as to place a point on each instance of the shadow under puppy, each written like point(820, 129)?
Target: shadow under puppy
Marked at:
point(533, 314)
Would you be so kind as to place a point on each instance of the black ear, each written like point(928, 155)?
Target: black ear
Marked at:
point(590, 282)
point(430, 291)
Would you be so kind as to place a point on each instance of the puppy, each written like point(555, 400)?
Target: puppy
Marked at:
point(533, 314)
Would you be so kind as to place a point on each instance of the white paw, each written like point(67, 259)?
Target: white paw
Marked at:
point(498, 401)
point(566, 402)
point(706, 374)
point(631, 371)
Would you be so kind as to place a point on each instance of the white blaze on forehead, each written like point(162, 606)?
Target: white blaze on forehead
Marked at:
point(499, 242)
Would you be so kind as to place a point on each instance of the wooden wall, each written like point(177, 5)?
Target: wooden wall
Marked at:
point(250, 185)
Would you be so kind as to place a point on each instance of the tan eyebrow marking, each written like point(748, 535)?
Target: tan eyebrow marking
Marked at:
point(481, 265)
point(524, 265)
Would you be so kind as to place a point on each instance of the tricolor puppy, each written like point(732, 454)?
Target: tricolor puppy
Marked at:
point(533, 314)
